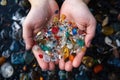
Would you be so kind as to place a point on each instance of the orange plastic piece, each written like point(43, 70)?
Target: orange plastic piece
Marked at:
point(24, 68)
point(62, 18)
point(98, 68)
point(71, 58)
point(41, 78)
point(83, 49)
point(2, 60)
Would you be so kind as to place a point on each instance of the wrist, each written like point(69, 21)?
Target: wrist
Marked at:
point(35, 3)
point(85, 1)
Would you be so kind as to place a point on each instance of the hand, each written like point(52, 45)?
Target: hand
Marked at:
point(78, 12)
point(41, 12)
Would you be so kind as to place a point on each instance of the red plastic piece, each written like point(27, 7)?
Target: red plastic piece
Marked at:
point(55, 30)
point(40, 55)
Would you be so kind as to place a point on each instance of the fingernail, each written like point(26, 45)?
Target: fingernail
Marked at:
point(36, 47)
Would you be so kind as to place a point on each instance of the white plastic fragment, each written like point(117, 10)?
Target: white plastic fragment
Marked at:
point(15, 26)
point(118, 42)
point(7, 70)
point(108, 41)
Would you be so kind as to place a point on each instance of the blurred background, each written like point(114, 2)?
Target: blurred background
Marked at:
point(102, 59)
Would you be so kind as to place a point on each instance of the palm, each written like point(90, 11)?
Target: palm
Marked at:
point(78, 12)
point(38, 17)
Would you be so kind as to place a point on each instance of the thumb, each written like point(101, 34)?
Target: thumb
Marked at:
point(90, 32)
point(28, 36)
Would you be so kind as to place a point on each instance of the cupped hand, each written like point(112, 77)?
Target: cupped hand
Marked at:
point(78, 12)
point(42, 11)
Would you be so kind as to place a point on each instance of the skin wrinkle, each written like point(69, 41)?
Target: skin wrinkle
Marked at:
point(81, 18)
point(40, 21)
point(73, 9)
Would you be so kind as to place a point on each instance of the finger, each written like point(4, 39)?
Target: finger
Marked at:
point(54, 11)
point(62, 64)
point(38, 55)
point(78, 58)
point(36, 30)
point(51, 66)
point(90, 32)
point(28, 35)
point(81, 27)
point(55, 16)
point(68, 66)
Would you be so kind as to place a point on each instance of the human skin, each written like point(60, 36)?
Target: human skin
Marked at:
point(44, 10)
point(78, 12)
point(41, 12)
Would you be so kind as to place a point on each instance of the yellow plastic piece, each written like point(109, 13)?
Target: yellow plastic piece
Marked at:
point(88, 61)
point(55, 19)
point(66, 52)
point(83, 49)
point(62, 18)
point(107, 30)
